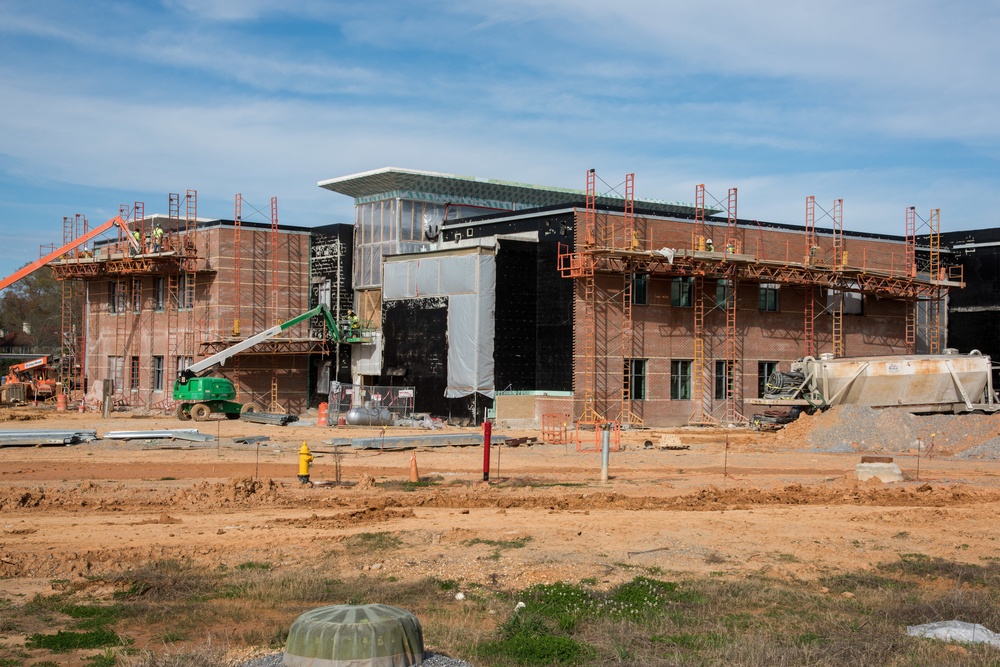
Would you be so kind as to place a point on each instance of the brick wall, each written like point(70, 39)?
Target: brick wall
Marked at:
point(149, 334)
point(664, 333)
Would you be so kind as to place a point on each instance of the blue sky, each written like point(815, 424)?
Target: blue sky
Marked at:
point(884, 104)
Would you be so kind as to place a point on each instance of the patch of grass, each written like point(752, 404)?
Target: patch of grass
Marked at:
point(399, 485)
point(163, 580)
point(372, 542)
point(168, 479)
point(526, 639)
point(516, 543)
point(786, 558)
point(254, 565)
point(64, 641)
point(172, 637)
point(923, 566)
point(855, 581)
point(107, 659)
point(694, 641)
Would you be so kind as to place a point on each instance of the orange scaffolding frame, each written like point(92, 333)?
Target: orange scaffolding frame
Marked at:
point(598, 252)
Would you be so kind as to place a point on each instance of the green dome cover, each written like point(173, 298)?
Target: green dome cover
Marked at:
point(347, 635)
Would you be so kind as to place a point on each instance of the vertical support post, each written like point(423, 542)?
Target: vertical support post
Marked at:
point(487, 437)
point(605, 450)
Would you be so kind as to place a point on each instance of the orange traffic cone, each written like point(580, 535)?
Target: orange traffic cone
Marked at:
point(414, 475)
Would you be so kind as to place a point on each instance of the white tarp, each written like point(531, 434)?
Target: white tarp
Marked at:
point(469, 281)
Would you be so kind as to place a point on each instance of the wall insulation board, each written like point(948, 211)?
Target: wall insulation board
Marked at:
point(467, 277)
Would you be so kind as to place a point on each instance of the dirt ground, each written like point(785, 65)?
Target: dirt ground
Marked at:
point(760, 502)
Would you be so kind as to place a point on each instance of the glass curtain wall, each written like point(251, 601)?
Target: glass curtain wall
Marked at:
point(393, 226)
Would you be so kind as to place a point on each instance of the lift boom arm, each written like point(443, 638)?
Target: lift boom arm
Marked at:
point(80, 240)
point(220, 358)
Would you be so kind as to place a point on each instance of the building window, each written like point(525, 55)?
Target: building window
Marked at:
point(769, 297)
point(724, 293)
point(133, 380)
point(185, 291)
point(137, 295)
point(117, 298)
point(635, 376)
point(764, 371)
point(723, 380)
point(854, 302)
point(182, 363)
point(159, 293)
point(157, 373)
point(681, 292)
point(116, 369)
point(680, 379)
point(640, 289)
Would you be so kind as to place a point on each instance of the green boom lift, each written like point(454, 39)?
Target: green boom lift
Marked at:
point(199, 396)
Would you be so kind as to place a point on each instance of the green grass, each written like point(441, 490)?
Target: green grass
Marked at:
point(254, 565)
point(372, 542)
point(516, 543)
point(755, 619)
point(66, 640)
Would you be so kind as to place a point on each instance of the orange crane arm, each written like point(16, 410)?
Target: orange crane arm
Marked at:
point(96, 231)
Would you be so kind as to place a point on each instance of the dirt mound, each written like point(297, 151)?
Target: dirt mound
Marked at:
point(366, 516)
point(14, 415)
point(244, 491)
point(847, 428)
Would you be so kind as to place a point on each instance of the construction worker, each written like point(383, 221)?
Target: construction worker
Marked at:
point(355, 323)
point(138, 240)
point(709, 246)
point(157, 238)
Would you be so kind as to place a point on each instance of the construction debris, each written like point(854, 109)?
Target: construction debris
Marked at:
point(251, 439)
point(517, 442)
point(411, 441)
point(274, 418)
point(41, 438)
point(189, 434)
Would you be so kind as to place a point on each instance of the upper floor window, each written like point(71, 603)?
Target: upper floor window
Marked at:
point(682, 292)
point(769, 297)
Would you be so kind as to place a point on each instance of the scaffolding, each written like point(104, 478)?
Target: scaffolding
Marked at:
point(72, 357)
point(826, 268)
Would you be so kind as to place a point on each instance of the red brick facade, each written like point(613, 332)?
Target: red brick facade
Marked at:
point(153, 325)
point(664, 333)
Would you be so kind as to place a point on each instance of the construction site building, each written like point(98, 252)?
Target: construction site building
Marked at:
point(607, 308)
point(199, 288)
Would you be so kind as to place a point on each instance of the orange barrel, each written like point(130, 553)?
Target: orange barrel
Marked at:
point(61, 403)
point(323, 408)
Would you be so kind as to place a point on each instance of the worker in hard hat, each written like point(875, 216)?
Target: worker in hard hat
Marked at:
point(709, 246)
point(157, 238)
point(354, 322)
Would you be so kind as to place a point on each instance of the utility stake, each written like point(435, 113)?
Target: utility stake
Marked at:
point(920, 445)
point(725, 464)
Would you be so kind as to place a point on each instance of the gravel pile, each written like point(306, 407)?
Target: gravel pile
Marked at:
point(430, 660)
point(848, 428)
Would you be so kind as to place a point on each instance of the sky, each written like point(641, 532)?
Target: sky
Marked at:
point(884, 104)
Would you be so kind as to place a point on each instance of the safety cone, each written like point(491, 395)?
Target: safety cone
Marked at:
point(414, 475)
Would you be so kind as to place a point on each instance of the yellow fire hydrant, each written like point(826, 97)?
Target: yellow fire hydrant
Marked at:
point(305, 459)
